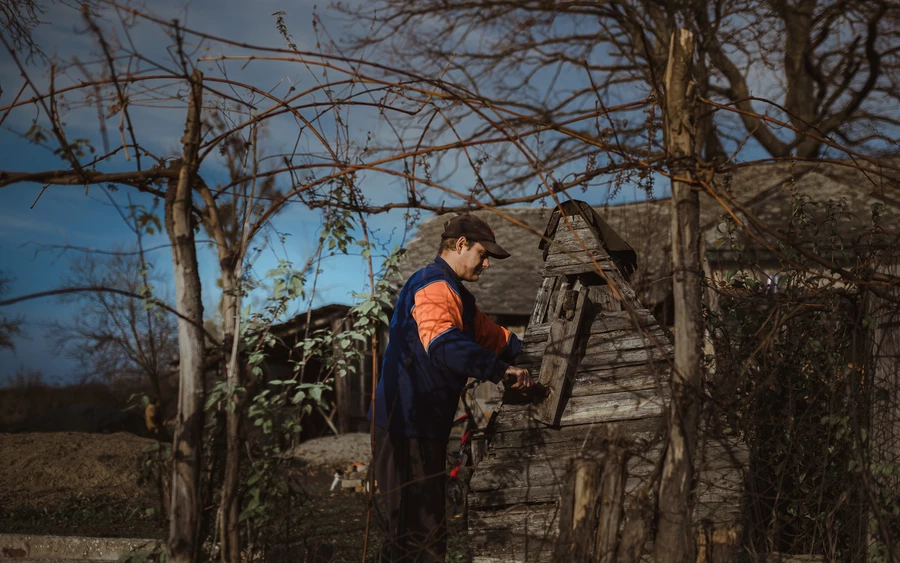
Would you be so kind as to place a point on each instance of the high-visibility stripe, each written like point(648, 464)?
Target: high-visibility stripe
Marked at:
point(437, 309)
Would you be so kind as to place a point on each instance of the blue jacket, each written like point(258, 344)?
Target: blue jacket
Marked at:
point(438, 339)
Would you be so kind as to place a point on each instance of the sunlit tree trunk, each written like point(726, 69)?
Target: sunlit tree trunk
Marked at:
point(184, 514)
point(674, 540)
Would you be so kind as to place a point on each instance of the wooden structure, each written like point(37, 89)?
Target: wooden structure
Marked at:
point(607, 364)
point(350, 394)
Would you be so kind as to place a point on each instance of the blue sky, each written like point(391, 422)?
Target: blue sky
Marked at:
point(31, 225)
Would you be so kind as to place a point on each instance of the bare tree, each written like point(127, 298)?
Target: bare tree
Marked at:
point(822, 68)
point(113, 337)
point(18, 19)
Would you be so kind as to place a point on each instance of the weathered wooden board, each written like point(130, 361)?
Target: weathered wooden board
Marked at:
point(528, 471)
point(567, 238)
point(573, 253)
point(627, 357)
point(523, 533)
point(610, 349)
point(571, 267)
point(514, 495)
point(542, 302)
point(559, 362)
point(599, 381)
point(625, 340)
point(510, 496)
point(604, 321)
point(609, 407)
point(517, 519)
point(509, 433)
point(604, 298)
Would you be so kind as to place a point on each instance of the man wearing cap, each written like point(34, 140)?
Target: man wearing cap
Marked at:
point(438, 339)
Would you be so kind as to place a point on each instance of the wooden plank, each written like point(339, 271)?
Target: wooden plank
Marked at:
point(513, 496)
point(573, 252)
point(495, 499)
point(527, 474)
point(574, 236)
point(603, 297)
point(541, 302)
point(622, 320)
point(566, 241)
point(558, 261)
point(520, 519)
point(610, 407)
point(605, 321)
point(598, 381)
point(543, 475)
point(625, 340)
point(516, 534)
point(616, 358)
point(614, 406)
point(534, 435)
point(559, 360)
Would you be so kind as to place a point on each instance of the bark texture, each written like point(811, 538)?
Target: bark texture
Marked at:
point(184, 517)
point(674, 541)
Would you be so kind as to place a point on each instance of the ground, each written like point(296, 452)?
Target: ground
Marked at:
point(75, 483)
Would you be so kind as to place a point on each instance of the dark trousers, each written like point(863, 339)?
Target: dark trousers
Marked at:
point(411, 476)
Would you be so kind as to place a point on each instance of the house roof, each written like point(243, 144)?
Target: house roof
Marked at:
point(509, 286)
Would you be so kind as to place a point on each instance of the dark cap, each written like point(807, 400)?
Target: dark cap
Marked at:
point(475, 230)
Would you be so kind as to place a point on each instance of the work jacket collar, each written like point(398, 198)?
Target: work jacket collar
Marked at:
point(441, 263)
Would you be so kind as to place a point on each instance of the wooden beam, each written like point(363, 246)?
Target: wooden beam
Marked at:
point(559, 360)
point(542, 301)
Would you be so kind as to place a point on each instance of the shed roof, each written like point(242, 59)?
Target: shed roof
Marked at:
point(509, 286)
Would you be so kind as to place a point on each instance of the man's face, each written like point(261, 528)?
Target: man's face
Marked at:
point(473, 261)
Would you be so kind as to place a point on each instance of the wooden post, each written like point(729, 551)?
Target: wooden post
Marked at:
point(674, 540)
point(638, 517)
point(578, 514)
point(184, 516)
point(612, 497)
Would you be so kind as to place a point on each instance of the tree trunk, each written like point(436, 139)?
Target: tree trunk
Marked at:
point(674, 540)
point(183, 545)
point(231, 546)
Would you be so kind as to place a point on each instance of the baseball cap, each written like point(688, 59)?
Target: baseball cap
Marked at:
point(475, 230)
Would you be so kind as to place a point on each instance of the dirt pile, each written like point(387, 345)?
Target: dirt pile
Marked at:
point(44, 469)
point(334, 451)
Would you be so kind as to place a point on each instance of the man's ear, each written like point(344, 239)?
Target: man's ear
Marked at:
point(460, 244)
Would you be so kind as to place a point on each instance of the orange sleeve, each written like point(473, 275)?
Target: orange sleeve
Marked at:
point(488, 334)
point(438, 309)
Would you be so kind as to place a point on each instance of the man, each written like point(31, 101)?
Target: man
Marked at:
point(438, 339)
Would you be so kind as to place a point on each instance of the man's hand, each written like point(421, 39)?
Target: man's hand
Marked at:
point(520, 378)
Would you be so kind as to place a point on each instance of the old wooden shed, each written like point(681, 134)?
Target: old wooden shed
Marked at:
point(607, 363)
